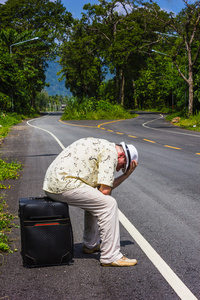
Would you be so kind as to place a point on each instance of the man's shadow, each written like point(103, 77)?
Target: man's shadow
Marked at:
point(79, 254)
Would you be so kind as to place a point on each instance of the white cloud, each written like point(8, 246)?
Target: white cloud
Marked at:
point(120, 9)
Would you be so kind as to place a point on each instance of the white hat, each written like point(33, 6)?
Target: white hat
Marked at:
point(131, 153)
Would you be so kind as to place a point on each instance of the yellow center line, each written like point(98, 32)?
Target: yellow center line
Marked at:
point(98, 126)
point(172, 147)
point(135, 137)
point(149, 141)
point(132, 136)
point(110, 122)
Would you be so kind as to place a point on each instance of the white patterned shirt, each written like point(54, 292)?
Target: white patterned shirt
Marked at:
point(88, 161)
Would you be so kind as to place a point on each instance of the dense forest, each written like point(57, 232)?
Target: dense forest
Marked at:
point(152, 55)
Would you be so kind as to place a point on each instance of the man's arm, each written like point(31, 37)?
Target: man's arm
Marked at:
point(124, 176)
point(106, 190)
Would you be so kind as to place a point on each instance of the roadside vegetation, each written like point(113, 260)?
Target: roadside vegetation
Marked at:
point(7, 120)
point(93, 110)
point(190, 123)
point(5, 227)
point(103, 110)
point(7, 171)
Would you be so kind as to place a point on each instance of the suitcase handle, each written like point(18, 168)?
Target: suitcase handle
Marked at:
point(46, 217)
point(47, 199)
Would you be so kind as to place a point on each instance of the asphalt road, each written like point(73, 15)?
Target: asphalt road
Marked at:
point(159, 213)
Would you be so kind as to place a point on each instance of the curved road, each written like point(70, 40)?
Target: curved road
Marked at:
point(159, 214)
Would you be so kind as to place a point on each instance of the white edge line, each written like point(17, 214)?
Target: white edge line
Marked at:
point(174, 281)
point(57, 140)
point(174, 132)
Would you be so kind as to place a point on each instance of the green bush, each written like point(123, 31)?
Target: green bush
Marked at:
point(5, 102)
point(90, 109)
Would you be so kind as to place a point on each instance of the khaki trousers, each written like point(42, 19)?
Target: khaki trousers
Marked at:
point(101, 219)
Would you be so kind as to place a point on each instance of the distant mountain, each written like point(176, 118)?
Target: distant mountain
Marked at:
point(56, 87)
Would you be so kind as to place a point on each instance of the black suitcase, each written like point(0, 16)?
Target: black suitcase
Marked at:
point(46, 232)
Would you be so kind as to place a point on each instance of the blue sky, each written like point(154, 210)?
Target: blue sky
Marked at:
point(75, 6)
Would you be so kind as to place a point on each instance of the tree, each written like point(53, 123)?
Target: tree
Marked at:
point(49, 19)
point(156, 83)
point(123, 36)
point(181, 38)
point(42, 100)
point(81, 62)
point(197, 85)
point(118, 37)
point(45, 19)
point(22, 69)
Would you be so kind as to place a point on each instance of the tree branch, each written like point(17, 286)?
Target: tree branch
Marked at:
point(196, 56)
point(96, 29)
point(182, 75)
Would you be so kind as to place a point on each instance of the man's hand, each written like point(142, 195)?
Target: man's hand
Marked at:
point(124, 176)
point(105, 189)
point(132, 167)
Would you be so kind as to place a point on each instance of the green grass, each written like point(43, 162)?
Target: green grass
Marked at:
point(7, 121)
point(7, 171)
point(5, 227)
point(190, 123)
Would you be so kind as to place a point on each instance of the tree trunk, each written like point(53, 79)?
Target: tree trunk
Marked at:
point(189, 81)
point(134, 92)
point(122, 85)
point(33, 95)
point(191, 86)
point(117, 87)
